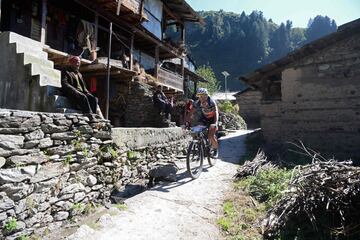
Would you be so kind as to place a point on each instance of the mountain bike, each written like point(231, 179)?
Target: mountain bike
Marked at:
point(199, 148)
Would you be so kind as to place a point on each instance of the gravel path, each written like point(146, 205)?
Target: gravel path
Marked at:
point(182, 210)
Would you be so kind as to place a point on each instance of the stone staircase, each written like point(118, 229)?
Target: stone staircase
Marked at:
point(25, 74)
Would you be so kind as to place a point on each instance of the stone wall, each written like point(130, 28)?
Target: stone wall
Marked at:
point(54, 167)
point(321, 101)
point(140, 111)
point(249, 107)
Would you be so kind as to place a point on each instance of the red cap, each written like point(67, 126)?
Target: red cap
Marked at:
point(74, 60)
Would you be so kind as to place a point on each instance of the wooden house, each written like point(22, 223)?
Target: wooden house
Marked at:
point(123, 43)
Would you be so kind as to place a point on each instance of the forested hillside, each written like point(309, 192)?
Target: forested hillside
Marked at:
point(239, 43)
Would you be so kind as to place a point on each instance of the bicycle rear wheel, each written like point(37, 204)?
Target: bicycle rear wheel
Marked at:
point(194, 159)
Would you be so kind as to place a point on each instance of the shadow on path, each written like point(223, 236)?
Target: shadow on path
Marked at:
point(233, 147)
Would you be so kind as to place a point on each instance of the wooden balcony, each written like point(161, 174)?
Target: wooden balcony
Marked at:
point(170, 79)
point(130, 10)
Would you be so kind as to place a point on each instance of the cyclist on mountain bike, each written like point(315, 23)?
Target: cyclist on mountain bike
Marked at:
point(209, 115)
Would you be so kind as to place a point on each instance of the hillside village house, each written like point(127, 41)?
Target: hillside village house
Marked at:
point(135, 37)
point(249, 101)
point(313, 94)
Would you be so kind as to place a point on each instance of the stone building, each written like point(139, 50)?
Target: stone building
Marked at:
point(313, 94)
point(248, 101)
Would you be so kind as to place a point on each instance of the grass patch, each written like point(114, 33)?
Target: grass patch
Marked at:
point(121, 206)
point(267, 186)
point(239, 220)
point(94, 226)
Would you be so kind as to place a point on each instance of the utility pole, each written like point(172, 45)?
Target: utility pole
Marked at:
point(226, 74)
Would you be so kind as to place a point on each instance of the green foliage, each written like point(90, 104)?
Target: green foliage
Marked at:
point(224, 223)
point(121, 206)
point(68, 160)
point(23, 237)
point(132, 155)
point(319, 26)
point(110, 149)
point(268, 185)
point(208, 74)
point(78, 207)
point(228, 107)
point(10, 225)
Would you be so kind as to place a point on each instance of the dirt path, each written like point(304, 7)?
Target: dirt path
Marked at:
point(182, 210)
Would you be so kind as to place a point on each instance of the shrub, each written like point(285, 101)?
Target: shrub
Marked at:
point(268, 185)
point(228, 107)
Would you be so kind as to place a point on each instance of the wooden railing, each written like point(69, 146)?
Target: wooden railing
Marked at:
point(170, 79)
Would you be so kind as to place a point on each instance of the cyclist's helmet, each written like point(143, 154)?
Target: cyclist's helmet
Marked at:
point(202, 91)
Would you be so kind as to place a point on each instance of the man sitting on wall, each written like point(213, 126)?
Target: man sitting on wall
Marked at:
point(161, 102)
point(74, 88)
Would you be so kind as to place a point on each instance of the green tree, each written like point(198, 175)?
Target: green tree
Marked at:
point(208, 74)
point(320, 26)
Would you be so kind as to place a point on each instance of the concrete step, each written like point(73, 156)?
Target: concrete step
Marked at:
point(28, 58)
point(45, 80)
point(67, 110)
point(12, 37)
point(28, 49)
point(37, 69)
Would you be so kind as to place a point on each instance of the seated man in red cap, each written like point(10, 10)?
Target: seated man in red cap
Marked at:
point(75, 89)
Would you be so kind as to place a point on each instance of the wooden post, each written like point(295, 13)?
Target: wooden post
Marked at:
point(183, 34)
point(96, 29)
point(0, 13)
point(43, 21)
point(195, 87)
point(108, 75)
point(132, 52)
point(156, 62)
point(183, 53)
point(118, 7)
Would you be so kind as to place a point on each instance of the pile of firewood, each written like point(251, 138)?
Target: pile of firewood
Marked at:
point(322, 201)
point(251, 168)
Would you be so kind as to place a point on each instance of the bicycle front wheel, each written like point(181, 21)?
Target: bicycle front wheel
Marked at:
point(194, 159)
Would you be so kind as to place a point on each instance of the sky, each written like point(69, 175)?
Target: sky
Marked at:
point(298, 11)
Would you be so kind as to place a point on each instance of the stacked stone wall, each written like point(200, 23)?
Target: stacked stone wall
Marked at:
point(54, 167)
point(321, 101)
point(249, 107)
point(140, 110)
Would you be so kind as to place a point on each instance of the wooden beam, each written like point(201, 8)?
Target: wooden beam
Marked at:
point(132, 52)
point(156, 74)
point(108, 74)
point(171, 14)
point(118, 7)
point(0, 13)
point(43, 21)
